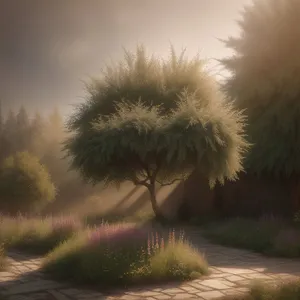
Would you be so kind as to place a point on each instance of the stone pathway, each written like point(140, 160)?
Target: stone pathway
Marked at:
point(232, 271)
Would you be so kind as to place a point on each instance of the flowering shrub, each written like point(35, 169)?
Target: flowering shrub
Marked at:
point(123, 254)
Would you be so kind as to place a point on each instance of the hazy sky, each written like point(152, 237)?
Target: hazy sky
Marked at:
point(49, 46)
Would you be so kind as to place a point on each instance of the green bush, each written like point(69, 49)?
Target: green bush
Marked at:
point(36, 236)
point(285, 291)
point(122, 254)
point(25, 184)
point(269, 236)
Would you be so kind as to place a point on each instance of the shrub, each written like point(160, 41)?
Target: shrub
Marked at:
point(37, 236)
point(268, 236)
point(25, 184)
point(123, 254)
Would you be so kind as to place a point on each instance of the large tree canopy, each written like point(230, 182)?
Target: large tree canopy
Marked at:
point(265, 82)
point(153, 121)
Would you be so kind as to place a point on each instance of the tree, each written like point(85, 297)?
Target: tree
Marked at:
point(25, 184)
point(53, 157)
point(152, 122)
point(23, 130)
point(37, 136)
point(9, 134)
point(265, 82)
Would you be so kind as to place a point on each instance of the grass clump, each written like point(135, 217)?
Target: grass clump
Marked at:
point(259, 291)
point(270, 236)
point(122, 255)
point(34, 235)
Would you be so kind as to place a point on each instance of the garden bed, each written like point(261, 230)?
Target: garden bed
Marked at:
point(123, 255)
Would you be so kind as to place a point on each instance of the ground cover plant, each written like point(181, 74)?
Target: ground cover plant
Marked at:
point(260, 291)
point(36, 235)
point(269, 235)
point(123, 254)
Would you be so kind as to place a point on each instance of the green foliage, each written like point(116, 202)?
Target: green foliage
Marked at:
point(119, 255)
point(266, 82)
point(152, 81)
point(269, 236)
point(150, 120)
point(25, 184)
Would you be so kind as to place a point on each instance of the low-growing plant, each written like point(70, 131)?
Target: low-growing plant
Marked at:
point(37, 236)
point(121, 255)
point(270, 236)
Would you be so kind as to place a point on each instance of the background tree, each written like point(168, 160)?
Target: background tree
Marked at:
point(9, 134)
point(22, 130)
point(25, 184)
point(265, 81)
point(37, 143)
point(151, 121)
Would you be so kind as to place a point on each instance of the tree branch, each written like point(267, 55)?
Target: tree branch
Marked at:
point(144, 182)
point(169, 183)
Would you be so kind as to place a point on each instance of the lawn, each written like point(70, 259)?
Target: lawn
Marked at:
point(270, 236)
point(122, 255)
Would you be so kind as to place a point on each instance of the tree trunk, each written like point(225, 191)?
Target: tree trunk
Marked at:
point(155, 206)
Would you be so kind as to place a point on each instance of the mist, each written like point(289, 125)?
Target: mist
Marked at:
point(50, 47)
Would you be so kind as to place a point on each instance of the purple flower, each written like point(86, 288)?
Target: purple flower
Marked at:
point(117, 234)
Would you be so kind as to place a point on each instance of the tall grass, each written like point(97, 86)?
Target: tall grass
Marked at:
point(36, 235)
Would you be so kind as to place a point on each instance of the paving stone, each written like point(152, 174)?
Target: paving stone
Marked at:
point(215, 284)
point(38, 285)
point(5, 274)
point(236, 271)
point(200, 287)
point(190, 289)
point(144, 293)
point(172, 291)
point(257, 276)
point(183, 296)
point(210, 295)
point(57, 295)
point(162, 297)
point(234, 278)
